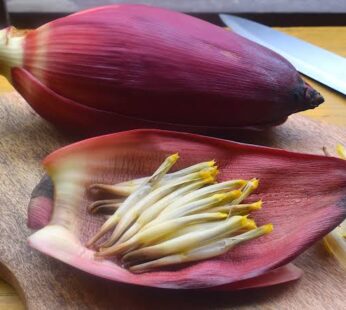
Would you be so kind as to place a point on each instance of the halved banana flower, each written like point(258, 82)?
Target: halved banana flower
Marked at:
point(213, 249)
point(186, 242)
point(136, 196)
point(133, 213)
point(129, 155)
point(128, 187)
point(159, 231)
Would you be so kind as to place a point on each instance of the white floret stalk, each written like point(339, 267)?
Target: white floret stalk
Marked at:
point(136, 196)
point(154, 210)
point(156, 233)
point(128, 187)
point(208, 251)
point(132, 214)
point(186, 242)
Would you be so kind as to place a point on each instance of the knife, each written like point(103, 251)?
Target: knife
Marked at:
point(315, 62)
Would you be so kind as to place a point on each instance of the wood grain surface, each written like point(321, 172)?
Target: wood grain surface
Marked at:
point(48, 284)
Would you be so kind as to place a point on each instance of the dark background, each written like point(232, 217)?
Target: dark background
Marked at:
point(32, 13)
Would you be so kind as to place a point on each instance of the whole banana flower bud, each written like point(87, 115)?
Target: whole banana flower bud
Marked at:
point(120, 67)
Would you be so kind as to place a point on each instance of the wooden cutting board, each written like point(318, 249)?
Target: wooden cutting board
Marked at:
point(44, 283)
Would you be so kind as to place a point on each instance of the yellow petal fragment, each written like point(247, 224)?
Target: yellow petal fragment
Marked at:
point(335, 243)
point(341, 150)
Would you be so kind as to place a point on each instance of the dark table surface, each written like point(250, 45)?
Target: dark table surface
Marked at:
point(33, 13)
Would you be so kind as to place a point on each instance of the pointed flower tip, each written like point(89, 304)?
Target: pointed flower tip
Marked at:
point(242, 183)
point(228, 196)
point(254, 183)
point(222, 215)
point(219, 197)
point(243, 220)
point(250, 224)
point(209, 180)
point(211, 163)
point(268, 228)
point(256, 205)
point(173, 158)
point(234, 194)
point(208, 173)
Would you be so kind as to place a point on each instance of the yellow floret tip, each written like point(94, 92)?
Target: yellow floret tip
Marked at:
point(327, 246)
point(222, 215)
point(242, 182)
point(250, 224)
point(234, 194)
point(244, 220)
point(209, 172)
point(268, 228)
point(216, 172)
point(257, 205)
point(208, 180)
point(173, 157)
point(254, 183)
point(341, 150)
point(211, 163)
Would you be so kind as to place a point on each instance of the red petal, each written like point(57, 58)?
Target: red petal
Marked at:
point(304, 197)
point(64, 113)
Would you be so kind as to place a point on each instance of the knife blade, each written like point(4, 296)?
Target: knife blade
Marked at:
point(315, 62)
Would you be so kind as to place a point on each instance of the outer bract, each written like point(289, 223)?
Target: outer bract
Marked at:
point(128, 66)
point(303, 195)
point(284, 274)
